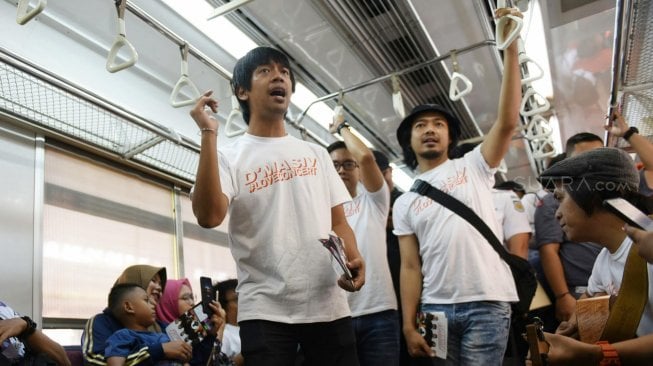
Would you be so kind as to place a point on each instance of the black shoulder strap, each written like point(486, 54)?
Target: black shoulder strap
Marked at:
point(461, 210)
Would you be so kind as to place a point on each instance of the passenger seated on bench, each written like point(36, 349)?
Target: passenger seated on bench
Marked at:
point(130, 304)
point(20, 340)
point(581, 183)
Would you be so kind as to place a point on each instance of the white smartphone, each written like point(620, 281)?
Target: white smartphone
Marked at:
point(629, 213)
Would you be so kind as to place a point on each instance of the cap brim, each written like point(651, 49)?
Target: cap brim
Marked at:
point(407, 122)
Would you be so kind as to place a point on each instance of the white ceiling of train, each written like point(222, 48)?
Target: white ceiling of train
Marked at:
point(53, 75)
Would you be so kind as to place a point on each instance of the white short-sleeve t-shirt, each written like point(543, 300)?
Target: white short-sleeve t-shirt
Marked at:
point(367, 214)
point(458, 264)
point(281, 191)
point(606, 277)
point(510, 213)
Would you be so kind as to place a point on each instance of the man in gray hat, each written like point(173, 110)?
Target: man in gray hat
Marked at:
point(565, 264)
point(446, 264)
point(582, 183)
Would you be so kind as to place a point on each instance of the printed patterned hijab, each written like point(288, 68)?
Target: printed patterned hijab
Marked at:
point(167, 310)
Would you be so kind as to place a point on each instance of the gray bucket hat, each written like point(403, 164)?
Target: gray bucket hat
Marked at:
point(599, 169)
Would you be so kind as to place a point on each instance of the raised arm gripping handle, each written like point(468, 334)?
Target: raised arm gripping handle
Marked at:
point(503, 40)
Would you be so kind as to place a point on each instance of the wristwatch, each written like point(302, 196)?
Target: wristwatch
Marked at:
point(610, 355)
point(342, 125)
point(632, 130)
point(31, 328)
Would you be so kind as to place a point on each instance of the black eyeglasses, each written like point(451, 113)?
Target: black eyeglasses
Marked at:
point(346, 165)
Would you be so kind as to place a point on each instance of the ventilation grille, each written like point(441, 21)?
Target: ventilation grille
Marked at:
point(386, 36)
point(60, 112)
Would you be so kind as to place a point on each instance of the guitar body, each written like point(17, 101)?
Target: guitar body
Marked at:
point(591, 316)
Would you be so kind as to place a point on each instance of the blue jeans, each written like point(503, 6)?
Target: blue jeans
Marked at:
point(377, 338)
point(478, 332)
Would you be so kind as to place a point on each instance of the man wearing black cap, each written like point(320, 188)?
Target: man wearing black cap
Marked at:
point(446, 264)
point(581, 184)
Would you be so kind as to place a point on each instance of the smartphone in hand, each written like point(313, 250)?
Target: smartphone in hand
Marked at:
point(629, 213)
point(208, 295)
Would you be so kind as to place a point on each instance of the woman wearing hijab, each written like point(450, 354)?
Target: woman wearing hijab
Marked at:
point(99, 327)
point(177, 299)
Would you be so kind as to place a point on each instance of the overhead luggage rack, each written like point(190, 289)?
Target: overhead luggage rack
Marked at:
point(34, 98)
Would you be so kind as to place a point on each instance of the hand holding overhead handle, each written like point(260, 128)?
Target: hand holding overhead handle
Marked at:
point(508, 25)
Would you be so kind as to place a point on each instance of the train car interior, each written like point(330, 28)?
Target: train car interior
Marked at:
point(98, 152)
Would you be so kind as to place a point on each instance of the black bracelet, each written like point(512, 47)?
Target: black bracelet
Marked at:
point(342, 125)
point(31, 328)
point(630, 132)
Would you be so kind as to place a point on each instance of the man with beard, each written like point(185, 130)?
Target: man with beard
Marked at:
point(446, 264)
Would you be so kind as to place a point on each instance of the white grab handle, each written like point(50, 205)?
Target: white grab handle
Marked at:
point(454, 92)
point(23, 15)
point(176, 92)
point(531, 94)
point(543, 148)
point(338, 111)
point(184, 81)
point(529, 76)
point(503, 167)
point(397, 99)
point(537, 128)
point(504, 41)
point(398, 104)
point(235, 123)
point(120, 42)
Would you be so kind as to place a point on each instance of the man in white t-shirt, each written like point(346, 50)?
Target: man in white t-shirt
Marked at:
point(446, 264)
point(374, 308)
point(282, 195)
point(582, 182)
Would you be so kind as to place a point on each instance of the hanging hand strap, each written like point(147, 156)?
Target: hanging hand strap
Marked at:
point(24, 14)
point(184, 82)
point(120, 42)
point(463, 211)
point(455, 93)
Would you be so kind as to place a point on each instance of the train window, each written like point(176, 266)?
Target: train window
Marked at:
point(205, 252)
point(97, 220)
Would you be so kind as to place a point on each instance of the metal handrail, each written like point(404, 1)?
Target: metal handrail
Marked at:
point(144, 16)
point(388, 76)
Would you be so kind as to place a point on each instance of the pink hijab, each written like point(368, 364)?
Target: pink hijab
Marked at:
point(167, 310)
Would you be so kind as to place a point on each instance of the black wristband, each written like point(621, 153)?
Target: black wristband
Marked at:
point(630, 132)
point(31, 328)
point(342, 125)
